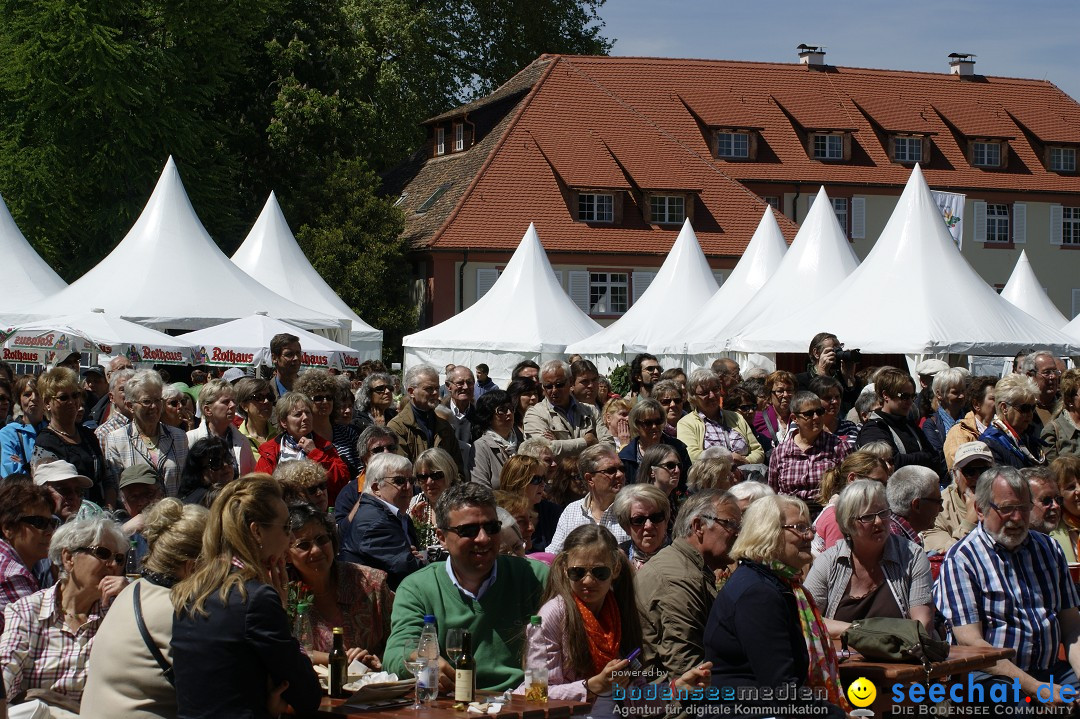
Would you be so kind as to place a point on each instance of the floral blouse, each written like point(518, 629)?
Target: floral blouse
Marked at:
point(365, 600)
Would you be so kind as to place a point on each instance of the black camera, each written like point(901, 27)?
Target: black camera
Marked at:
point(849, 355)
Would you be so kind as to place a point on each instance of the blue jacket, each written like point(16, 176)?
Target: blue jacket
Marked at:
point(376, 538)
point(1006, 452)
point(631, 461)
point(17, 442)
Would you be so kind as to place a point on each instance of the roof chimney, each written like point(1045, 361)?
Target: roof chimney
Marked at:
point(962, 64)
point(811, 55)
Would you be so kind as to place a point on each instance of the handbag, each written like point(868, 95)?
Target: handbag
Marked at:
point(894, 640)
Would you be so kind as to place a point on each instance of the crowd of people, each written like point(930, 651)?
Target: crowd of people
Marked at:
point(163, 545)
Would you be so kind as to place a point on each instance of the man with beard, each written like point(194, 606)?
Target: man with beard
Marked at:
point(1046, 508)
point(1005, 586)
point(645, 371)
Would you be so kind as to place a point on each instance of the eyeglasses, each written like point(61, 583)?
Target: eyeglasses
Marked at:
point(462, 383)
point(904, 396)
point(1047, 501)
point(506, 409)
point(267, 397)
point(1024, 408)
point(322, 398)
point(933, 500)
point(472, 531)
point(148, 402)
point(305, 545)
point(638, 520)
point(437, 476)
point(67, 397)
point(670, 400)
point(316, 488)
point(382, 448)
point(654, 423)
point(883, 515)
point(600, 574)
point(973, 472)
point(783, 392)
point(729, 524)
point(747, 408)
point(1011, 509)
point(669, 466)
point(553, 385)
point(104, 554)
point(715, 392)
point(1050, 372)
point(610, 471)
point(40, 523)
point(801, 528)
point(537, 480)
point(399, 481)
point(380, 389)
point(656, 369)
point(216, 463)
point(811, 413)
point(174, 403)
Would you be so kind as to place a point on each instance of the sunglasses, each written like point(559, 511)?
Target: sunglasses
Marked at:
point(972, 472)
point(104, 554)
point(68, 397)
point(747, 407)
point(399, 481)
point(261, 398)
point(1024, 408)
point(670, 400)
point(322, 398)
point(381, 388)
point(650, 423)
point(904, 396)
point(611, 471)
point(1047, 501)
point(382, 448)
point(537, 480)
point(638, 520)
point(669, 466)
point(174, 403)
point(506, 409)
point(436, 476)
point(600, 574)
point(41, 523)
point(810, 413)
point(306, 545)
point(653, 370)
point(217, 463)
point(472, 531)
point(316, 488)
point(553, 385)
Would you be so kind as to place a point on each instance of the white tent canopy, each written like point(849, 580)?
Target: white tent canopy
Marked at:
point(168, 273)
point(914, 294)
point(28, 279)
point(272, 256)
point(246, 343)
point(683, 285)
point(1026, 292)
point(761, 259)
point(525, 315)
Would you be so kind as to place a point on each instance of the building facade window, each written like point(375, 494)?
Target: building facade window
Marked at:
point(986, 154)
point(609, 293)
point(908, 149)
point(828, 147)
point(840, 207)
point(440, 141)
point(1063, 159)
point(596, 207)
point(666, 209)
point(1070, 225)
point(733, 144)
point(773, 202)
point(459, 137)
point(997, 223)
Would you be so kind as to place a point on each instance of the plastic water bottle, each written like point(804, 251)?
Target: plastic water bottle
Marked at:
point(302, 627)
point(428, 650)
point(536, 673)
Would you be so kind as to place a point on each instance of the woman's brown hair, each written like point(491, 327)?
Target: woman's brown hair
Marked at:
point(861, 464)
point(518, 472)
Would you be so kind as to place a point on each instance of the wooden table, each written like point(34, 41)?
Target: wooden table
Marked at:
point(962, 660)
point(518, 708)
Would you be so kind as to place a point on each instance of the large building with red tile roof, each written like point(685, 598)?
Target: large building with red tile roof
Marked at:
point(608, 155)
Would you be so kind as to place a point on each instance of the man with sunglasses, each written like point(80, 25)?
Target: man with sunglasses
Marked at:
point(958, 516)
point(1006, 586)
point(475, 589)
point(372, 442)
point(570, 425)
point(645, 371)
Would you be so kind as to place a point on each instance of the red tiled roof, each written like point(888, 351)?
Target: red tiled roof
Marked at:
point(896, 114)
point(724, 109)
point(816, 110)
point(1050, 124)
point(580, 159)
point(978, 118)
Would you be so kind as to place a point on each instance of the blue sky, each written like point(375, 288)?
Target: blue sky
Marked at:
point(1031, 38)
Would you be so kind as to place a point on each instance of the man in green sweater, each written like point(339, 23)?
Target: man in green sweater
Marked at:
point(476, 589)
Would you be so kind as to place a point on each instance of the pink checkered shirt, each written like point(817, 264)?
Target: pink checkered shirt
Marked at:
point(16, 580)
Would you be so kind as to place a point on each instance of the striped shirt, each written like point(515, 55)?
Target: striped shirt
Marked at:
point(1015, 595)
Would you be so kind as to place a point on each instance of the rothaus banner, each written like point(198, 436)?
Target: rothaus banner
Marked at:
point(952, 211)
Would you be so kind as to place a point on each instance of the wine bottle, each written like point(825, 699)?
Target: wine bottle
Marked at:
point(339, 665)
point(465, 671)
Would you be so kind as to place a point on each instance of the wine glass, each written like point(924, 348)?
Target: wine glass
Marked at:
point(415, 664)
point(453, 645)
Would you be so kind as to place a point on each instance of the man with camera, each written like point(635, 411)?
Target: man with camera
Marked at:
point(828, 358)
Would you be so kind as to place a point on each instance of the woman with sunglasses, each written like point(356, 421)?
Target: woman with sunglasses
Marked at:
point(831, 393)
point(374, 401)
point(710, 425)
point(18, 437)
point(64, 438)
point(873, 572)
point(324, 391)
point(172, 414)
point(48, 635)
point(1013, 436)
point(647, 420)
point(764, 629)
point(255, 398)
point(435, 471)
point(233, 650)
point(209, 467)
point(671, 396)
point(26, 529)
point(351, 596)
point(306, 480)
point(799, 463)
point(527, 476)
point(891, 424)
point(524, 393)
point(217, 399)
point(494, 437)
point(644, 512)
point(292, 415)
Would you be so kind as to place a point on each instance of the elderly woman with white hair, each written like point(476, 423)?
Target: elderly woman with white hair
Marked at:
point(644, 512)
point(217, 401)
point(381, 533)
point(1013, 436)
point(950, 395)
point(48, 635)
point(746, 493)
point(873, 573)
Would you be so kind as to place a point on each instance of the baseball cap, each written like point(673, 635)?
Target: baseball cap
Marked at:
point(138, 474)
point(59, 471)
point(931, 367)
point(94, 369)
point(971, 451)
point(232, 374)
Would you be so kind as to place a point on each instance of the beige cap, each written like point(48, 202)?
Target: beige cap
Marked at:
point(971, 451)
point(59, 471)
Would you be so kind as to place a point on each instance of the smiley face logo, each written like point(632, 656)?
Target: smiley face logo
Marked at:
point(862, 692)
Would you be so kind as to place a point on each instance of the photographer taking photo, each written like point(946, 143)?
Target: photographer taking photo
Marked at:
point(828, 358)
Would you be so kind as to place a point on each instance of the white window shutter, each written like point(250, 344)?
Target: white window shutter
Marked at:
point(485, 279)
point(642, 280)
point(719, 275)
point(1056, 225)
point(1019, 235)
point(579, 289)
point(979, 208)
point(858, 218)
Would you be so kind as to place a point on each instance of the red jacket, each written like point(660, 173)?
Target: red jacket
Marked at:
point(337, 473)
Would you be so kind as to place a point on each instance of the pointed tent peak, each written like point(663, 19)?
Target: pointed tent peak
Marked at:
point(768, 237)
point(1026, 292)
point(529, 257)
point(819, 245)
point(1023, 258)
point(686, 266)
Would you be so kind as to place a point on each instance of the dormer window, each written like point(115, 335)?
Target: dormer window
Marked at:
point(733, 145)
point(440, 141)
point(667, 209)
point(907, 149)
point(1063, 159)
point(596, 207)
point(986, 154)
point(459, 137)
point(827, 146)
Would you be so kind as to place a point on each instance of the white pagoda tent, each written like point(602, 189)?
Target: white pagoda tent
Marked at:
point(1026, 292)
point(818, 260)
point(28, 279)
point(680, 289)
point(167, 273)
point(246, 343)
point(525, 315)
point(272, 256)
point(759, 261)
point(914, 294)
